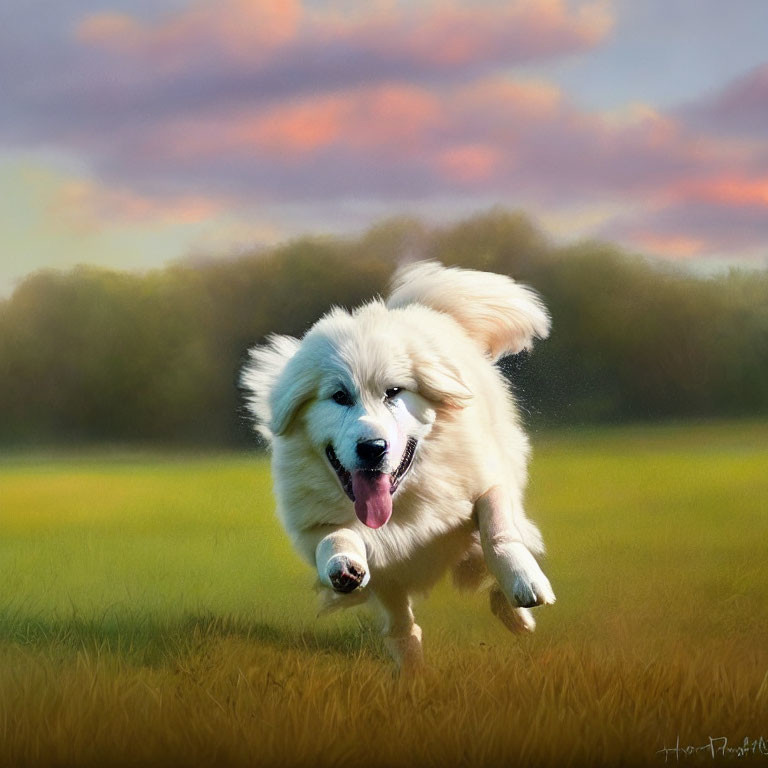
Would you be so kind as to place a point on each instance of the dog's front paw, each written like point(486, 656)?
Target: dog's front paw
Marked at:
point(525, 584)
point(345, 574)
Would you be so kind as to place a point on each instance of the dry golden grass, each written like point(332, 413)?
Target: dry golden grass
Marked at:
point(154, 615)
point(234, 699)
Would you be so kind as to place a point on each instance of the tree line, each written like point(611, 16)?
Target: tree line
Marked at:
point(98, 355)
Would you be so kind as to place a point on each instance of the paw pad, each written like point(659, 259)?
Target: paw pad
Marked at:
point(346, 576)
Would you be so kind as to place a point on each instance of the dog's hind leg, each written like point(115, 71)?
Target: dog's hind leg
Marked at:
point(471, 573)
point(402, 635)
point(519, 576)
point(514, 619)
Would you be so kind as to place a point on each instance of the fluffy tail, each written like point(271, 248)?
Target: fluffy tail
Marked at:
point(501, 315)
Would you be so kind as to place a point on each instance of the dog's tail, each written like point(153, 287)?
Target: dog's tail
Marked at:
point(498, 313)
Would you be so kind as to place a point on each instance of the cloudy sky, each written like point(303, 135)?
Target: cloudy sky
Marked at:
point(133, 132)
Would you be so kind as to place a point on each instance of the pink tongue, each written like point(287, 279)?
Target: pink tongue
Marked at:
point(373, 501)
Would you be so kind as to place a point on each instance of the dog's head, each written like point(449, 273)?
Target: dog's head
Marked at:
point(364, 392)
point(366, 389)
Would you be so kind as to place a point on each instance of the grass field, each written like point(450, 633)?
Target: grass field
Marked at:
point(152, 612)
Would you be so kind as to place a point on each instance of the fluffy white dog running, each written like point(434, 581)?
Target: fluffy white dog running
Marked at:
point(397, 448)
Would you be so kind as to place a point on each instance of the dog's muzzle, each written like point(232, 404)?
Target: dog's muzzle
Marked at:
point(370, 490)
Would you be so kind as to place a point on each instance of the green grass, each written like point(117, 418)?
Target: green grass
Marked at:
point(152, 612)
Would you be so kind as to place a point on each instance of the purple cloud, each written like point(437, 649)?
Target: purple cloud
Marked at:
point(738, 109)
point(112, 68)
point(257, 102)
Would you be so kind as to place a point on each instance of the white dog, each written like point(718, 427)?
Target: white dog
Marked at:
point(397, 449)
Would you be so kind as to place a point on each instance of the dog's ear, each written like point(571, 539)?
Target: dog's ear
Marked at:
point(439, 381)
point(296, 384)
point(266, 397)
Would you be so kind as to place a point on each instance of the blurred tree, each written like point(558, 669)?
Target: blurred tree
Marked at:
point(96, 355)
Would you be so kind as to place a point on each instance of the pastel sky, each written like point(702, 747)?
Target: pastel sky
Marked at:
point(137, 132)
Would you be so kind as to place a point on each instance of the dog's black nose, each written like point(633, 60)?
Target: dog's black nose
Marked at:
point(371, 451)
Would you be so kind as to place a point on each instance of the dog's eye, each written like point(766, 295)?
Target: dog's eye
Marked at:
point(393, 392)
point(341, 397)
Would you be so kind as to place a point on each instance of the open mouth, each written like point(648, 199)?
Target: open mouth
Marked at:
point(345, 476)
point(370, 490)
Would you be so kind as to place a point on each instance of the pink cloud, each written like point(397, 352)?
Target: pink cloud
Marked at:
point(730, 189)
point(89, 205)
point(395, 115)
point(294, 129)
point(452, 34)
point(670, 246)
point(700, 216)
point(388, 118)
point(470, 163)
point(517, 136)
point(395, 119)
point(265, 100)
point(241, 29)
point(506, 101)
point(417, 37)
point(110, 29)
point(695, 228)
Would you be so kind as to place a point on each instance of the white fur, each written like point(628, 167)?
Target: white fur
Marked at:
point(460, 506)
point(502, 316)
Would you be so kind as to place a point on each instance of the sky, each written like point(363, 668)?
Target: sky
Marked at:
point(136, 133)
